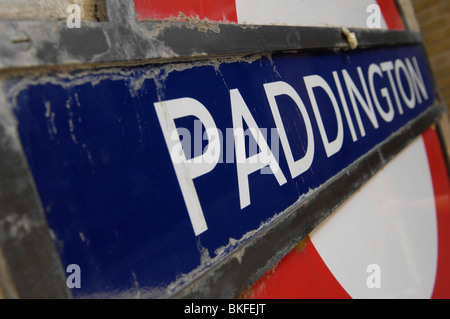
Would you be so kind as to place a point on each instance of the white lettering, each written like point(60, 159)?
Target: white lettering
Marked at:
point(188, 170)
point(387, 67)
point(389, 115)
point(386, 84)
point(366, 104)
point(417, 79)
point(411, 101)
point(296, 167)
point(311, 82)
point(246, 166)
point(212, 310)
point(345, 106)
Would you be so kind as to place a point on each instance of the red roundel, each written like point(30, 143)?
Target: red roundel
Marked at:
point(389, 240)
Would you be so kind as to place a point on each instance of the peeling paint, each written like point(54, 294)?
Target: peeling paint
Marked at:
point(203, 25)
point(9, 123)
point(88, 153)
point(136, 285)
point(16, 226)
point(234, 249)
point(135, 78)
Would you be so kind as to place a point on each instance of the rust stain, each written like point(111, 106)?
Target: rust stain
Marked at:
point(302, 244)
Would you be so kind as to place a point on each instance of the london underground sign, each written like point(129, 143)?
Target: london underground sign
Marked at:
point(167, 170)
point(162, 154)
point(398, 96)
point(388, 241)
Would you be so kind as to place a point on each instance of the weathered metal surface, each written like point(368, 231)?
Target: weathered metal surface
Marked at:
point(122, 38)
point(97, 152)
point(30, 266)
point(57, 111)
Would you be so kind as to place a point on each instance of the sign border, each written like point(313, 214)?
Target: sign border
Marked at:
point(51, 43)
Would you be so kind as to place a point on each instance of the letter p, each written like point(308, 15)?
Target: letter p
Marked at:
point(188, 170)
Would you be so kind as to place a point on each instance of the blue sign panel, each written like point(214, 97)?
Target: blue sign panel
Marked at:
point(150, 174)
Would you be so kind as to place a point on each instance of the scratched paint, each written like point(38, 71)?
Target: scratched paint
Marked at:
point(106, 179)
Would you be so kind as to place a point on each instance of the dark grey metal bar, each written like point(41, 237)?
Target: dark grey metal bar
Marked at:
point(123, 39)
